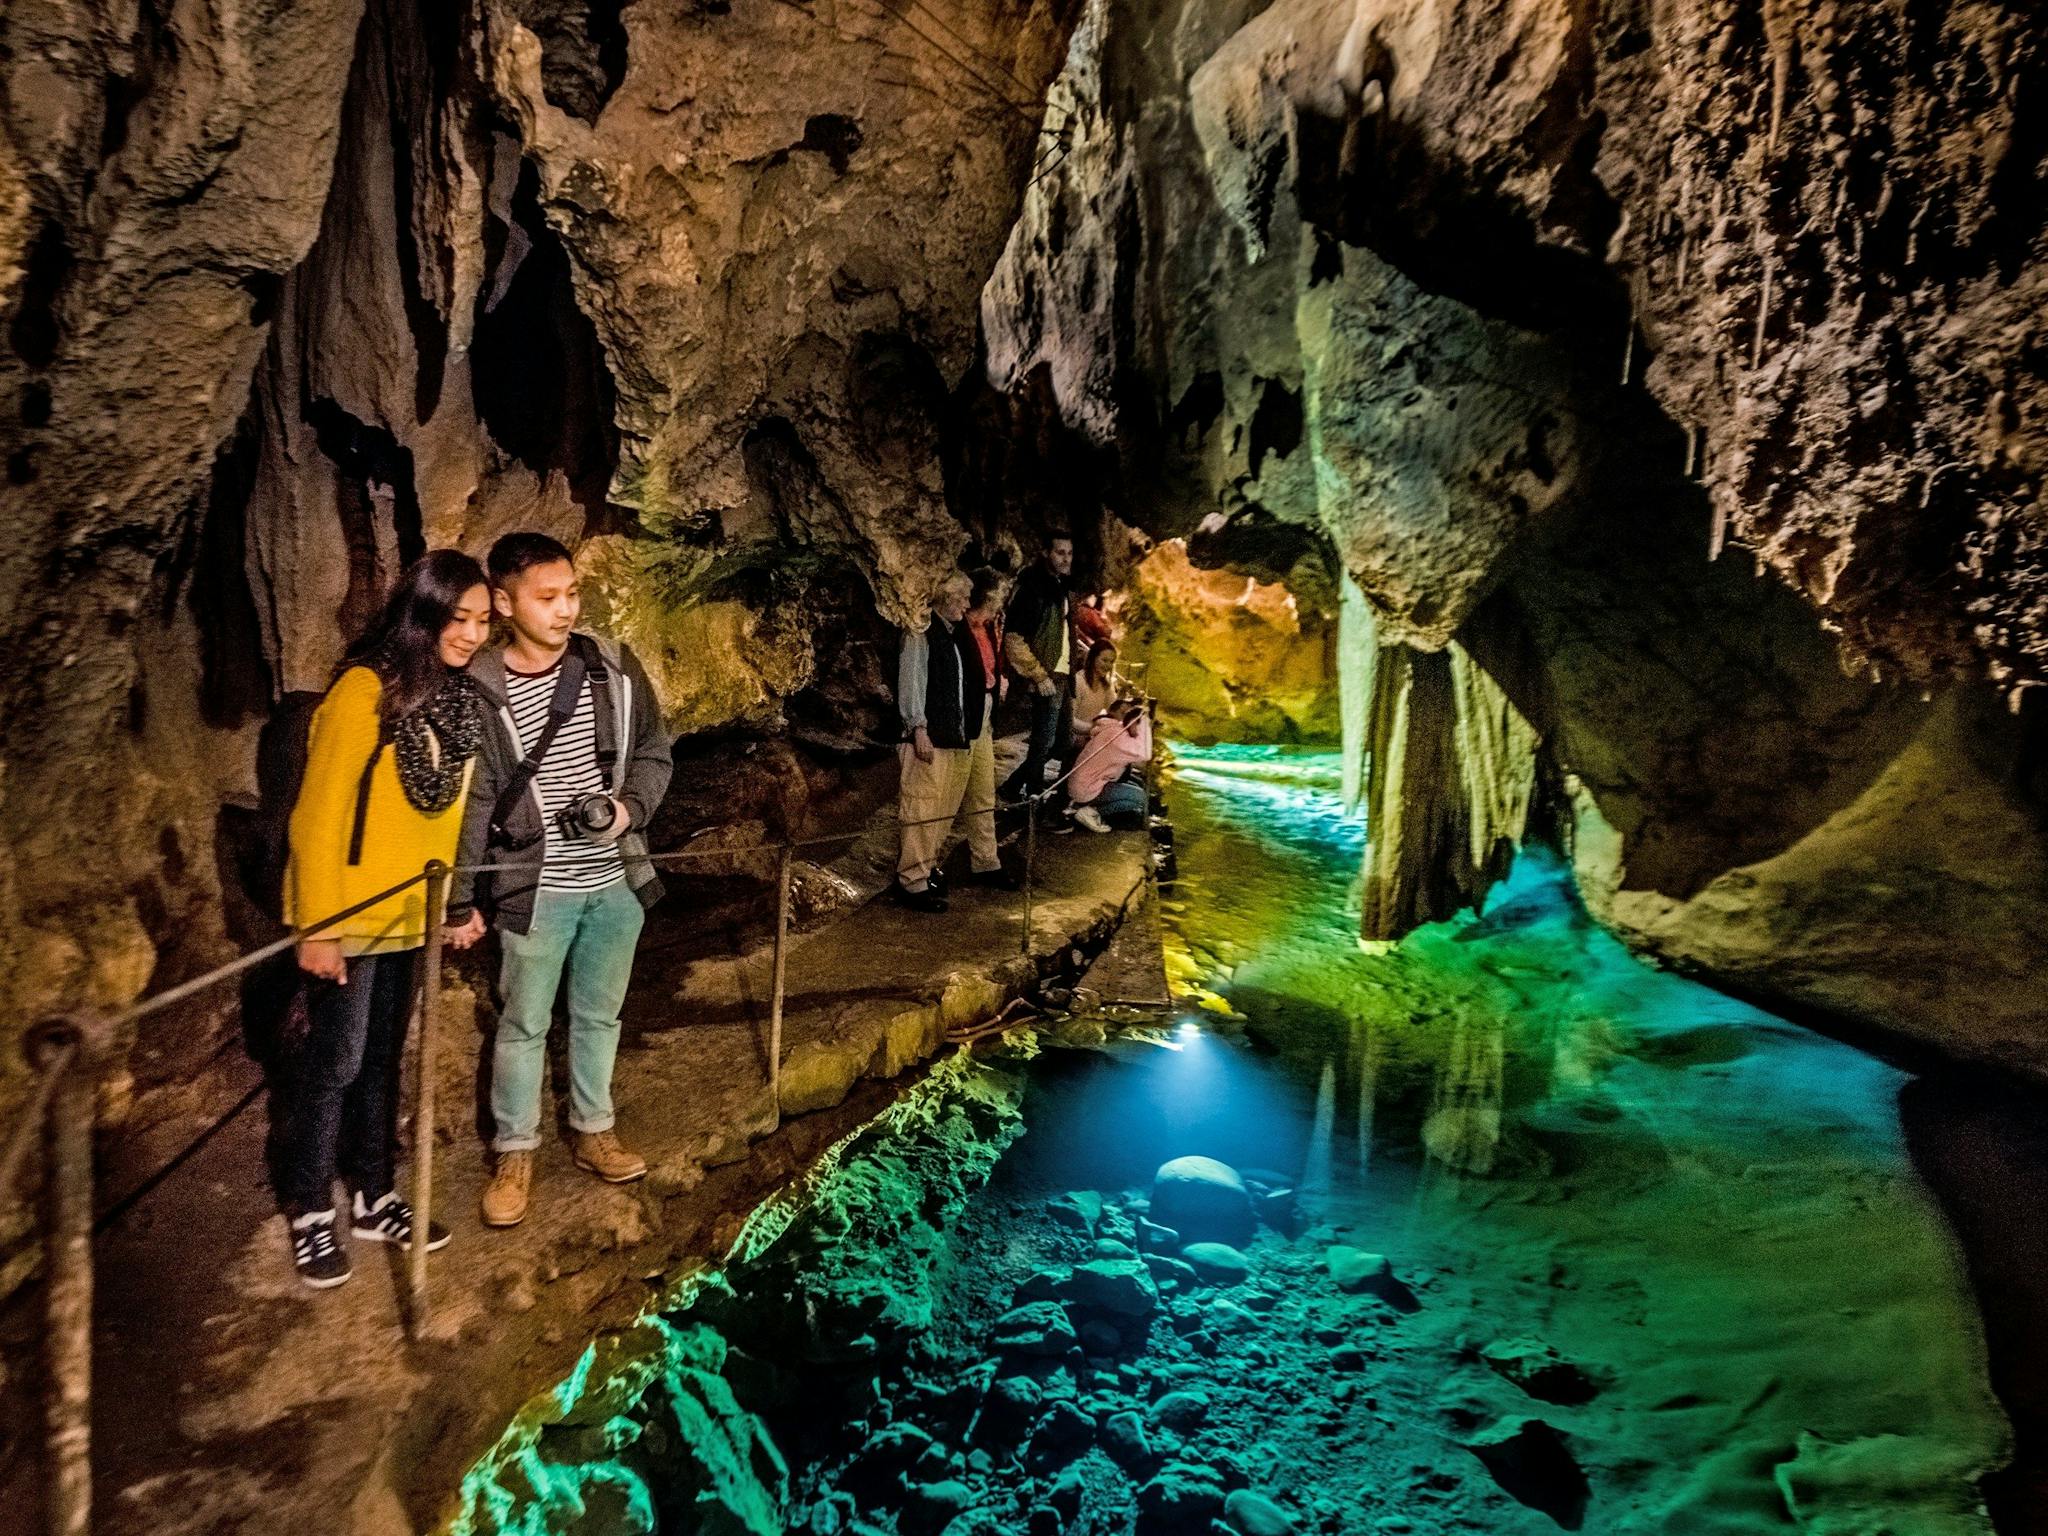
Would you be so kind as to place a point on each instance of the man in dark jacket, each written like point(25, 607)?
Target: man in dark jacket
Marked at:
point(1038, 645)
point(944, 692)
point(568, 776)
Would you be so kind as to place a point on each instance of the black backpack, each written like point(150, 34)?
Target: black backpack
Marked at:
point(280, 771)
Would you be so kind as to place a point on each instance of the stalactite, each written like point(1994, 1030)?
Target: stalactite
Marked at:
point(1356, 652)
point(1450, 785)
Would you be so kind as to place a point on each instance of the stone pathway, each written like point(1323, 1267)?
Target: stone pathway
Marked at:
point(230, 1398)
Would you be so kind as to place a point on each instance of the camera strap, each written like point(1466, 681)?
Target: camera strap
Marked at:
point(561, 708)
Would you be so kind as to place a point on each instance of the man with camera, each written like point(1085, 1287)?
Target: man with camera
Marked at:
point(567, 778)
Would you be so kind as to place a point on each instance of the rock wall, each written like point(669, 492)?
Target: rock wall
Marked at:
point(294, 293)
point(1228, 657)
point(1665, 379)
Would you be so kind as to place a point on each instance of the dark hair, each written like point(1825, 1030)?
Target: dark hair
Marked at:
point(987, 583)
point(1095, 650)
point(517, 553)
point(1054, 535)
point(403, 647)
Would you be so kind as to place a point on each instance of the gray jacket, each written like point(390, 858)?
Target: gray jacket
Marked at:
point(641, 768)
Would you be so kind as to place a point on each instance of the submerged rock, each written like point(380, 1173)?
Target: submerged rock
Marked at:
point(1124, 1441)
point(1253, 1514)
point(1120, 1286)
point(1080, 1208)
point(1533, 1465)
point(1203, 1200)
point(1099, 1338)
point(1181, 1410)
point(1540, 1371)
point(1218, 1263)
point(1036, 1328)
point(1183, 1498)
point(931, 1507)
point(1370, 1274)
point(1064, 1433)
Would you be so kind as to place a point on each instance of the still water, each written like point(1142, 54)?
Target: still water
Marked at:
point(1494, 1231)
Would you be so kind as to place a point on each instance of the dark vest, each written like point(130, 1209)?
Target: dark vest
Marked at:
point(956, 696)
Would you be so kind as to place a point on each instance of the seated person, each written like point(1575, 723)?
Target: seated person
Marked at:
point(1106, 787)
point(1094, 691)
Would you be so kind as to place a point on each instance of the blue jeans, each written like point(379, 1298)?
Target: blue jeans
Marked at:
point(1048, 722)
point(1122, 804)
point(594, 934)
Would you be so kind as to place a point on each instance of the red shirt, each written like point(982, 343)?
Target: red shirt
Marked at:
point(985, 642)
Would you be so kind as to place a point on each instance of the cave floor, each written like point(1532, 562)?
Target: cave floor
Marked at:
point(229, 1397)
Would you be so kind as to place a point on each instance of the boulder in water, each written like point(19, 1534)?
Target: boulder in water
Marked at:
point(1203, 1200)
point(1123, 1287)
point(1218, 1263)
point(1370, 1274)
point(1080, 1208)
point(1184, 1497)
point(1125, 1443)
point(1253, 1514)
point(1036, 1328)
point(1181, 1410)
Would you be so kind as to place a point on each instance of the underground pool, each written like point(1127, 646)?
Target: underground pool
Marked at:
point(1494, 1230)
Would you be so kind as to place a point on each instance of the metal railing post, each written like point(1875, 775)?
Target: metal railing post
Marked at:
point(423, 1106)
point(781, 966)
point(69, 1049)
point(1030, 862)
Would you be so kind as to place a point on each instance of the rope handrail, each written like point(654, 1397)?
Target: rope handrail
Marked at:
point(63, 1052)
point(142, 1008)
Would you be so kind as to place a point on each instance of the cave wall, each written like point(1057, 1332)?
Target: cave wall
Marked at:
point(295, 292)
point(1666, 379)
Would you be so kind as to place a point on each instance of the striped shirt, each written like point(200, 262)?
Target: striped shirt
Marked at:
point(569, 769)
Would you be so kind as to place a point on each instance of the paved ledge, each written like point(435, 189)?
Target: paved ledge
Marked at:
point(229, 1398)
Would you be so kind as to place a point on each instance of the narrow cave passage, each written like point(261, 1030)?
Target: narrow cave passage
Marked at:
point(1339, 703)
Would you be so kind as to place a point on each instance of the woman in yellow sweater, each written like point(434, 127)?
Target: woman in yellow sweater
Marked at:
point(387, 770)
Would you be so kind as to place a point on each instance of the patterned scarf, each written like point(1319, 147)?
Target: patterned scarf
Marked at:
point(433, 744)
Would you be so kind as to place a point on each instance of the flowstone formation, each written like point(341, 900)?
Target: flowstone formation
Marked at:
point(1669, 385)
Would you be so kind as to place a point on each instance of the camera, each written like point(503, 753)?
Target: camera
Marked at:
point(590, 812)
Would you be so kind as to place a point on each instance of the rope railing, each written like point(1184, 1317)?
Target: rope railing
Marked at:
point(65, 1053)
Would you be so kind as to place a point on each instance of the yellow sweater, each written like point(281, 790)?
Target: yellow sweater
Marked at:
point(397, 839)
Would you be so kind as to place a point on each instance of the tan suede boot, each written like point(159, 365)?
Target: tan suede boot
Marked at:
point(505, 1196)
point(601, 1153)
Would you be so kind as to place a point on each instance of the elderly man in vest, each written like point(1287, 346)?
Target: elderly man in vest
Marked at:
point(944, 687)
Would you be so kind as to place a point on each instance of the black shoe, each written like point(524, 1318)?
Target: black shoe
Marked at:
point(390, 1221)
point(926, 900)
point(997, 879)
point(319, 1259)
point(936, 881)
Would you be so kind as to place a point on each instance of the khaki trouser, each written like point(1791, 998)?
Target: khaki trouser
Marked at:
point(956, 782)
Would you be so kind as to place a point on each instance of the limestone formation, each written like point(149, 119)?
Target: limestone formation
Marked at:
point(1584, 338)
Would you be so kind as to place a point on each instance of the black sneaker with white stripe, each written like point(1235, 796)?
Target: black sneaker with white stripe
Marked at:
point(390, 1221)
point(319, 1259)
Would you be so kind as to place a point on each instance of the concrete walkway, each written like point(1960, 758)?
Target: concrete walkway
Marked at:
point(230, 1398)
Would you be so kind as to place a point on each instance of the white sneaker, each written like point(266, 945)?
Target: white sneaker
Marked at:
point(1091, 818)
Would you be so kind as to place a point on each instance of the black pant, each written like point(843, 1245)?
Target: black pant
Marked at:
point(344, 1110)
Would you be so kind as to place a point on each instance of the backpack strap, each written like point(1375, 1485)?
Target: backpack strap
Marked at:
point(355, 836)
point(560, 710)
